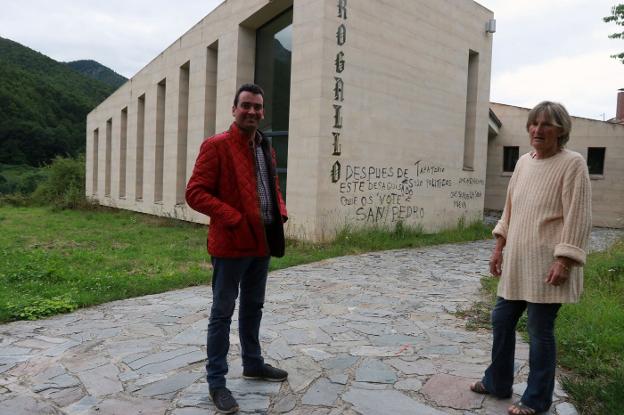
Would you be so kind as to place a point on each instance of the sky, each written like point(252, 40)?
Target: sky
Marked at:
point(543, 49)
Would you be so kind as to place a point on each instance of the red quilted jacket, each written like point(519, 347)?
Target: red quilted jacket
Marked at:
point(223, 186)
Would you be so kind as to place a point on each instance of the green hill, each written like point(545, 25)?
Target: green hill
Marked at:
point(43, 106)
point(96, 70)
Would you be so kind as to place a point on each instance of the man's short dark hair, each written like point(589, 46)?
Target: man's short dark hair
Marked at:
point(253, 88)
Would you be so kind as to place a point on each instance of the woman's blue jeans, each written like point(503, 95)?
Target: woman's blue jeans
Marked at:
point(499, 376)
point(250, 274)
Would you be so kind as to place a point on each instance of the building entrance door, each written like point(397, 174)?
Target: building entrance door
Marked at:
point(273, 61)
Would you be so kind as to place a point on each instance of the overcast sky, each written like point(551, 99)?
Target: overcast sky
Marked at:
point(543, 49)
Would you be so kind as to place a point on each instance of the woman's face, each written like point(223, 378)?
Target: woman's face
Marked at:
point(544, 136)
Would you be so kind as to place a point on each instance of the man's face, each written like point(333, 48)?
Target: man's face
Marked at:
point(249, 111)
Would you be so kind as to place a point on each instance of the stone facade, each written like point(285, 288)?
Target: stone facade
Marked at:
point(607, 188)
point(388, 117)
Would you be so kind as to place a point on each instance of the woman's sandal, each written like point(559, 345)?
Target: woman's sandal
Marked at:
point(520, 409)
point(479, 387)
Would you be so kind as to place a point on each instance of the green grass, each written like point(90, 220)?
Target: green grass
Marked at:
point(590, 334)
point(56, 261)
point(590, 337)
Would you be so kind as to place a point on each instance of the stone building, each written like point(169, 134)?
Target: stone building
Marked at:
point(600, 142)
point(378, 111)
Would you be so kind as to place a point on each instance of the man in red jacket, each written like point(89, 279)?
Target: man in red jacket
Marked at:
point(234, 182)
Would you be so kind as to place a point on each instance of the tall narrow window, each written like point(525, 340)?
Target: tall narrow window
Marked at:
point(140, 148)
point(96, 156)
point(123, 151)
point(210, 108)
point(471, 109)
point(595, 160)
point(159, 148)
point(510, 158)
point(107, 170)
point(183, 107)
point(273, 66)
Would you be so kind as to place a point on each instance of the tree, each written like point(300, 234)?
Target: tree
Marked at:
point(617, 16)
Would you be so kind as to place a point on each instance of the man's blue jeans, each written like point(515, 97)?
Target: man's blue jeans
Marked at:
point(250, 273)
point(498, 379)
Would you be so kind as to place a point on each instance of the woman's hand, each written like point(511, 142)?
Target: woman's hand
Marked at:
point(496, 260)
point(559, 271)
point(496, 263)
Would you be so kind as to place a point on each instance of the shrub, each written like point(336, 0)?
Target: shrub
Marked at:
point(64, 187)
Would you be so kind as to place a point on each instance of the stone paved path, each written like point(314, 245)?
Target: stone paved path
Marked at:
point(370, 334)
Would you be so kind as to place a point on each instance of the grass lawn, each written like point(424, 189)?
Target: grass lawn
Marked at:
point(56, 261)
point(590, 334)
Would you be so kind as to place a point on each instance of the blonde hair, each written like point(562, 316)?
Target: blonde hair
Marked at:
point(557, 115)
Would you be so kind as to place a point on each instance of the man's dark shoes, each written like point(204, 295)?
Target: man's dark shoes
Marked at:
point(223, 400)
point(266, 372)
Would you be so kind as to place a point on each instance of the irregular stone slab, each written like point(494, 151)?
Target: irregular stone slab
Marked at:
point(128, 405)
point(256, 387)
point(191, 336)
point(397, 340)
point(441, 350)
point(375, 371)
point(376, 402)
point(63, 397)
point(195, 395)
point(410, 384)
point(166, 361)
point(253, 403)
point(451, 392)
point(305, 336)
point(301, 372)
point(191, 411)
point(418, 367)
point(381, 351)
point(102, 380)
point(339, 378)
point(54, 378)
point(81, 406)
point(316, 354)
point(14, 351)
point(61, 348)
point(322, 392)
point(285, 404)
point(168, 387)
point(25, 405)
point(339, 363)
point(566, 408)
point(279, 350)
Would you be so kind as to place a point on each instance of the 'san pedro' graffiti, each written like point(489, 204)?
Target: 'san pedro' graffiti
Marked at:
point(391, 194)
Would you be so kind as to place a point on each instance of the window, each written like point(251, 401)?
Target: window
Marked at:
point(107, 166)
point(595, 160)
point(123, 151)
point(273, 66)
point(510, 157)
point(140, 142)
point(159, 147)
point(472, 92)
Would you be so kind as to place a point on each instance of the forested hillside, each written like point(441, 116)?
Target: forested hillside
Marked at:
point(96, 70)
point(43, 106)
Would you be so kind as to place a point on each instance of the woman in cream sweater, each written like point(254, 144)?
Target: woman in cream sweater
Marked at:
point(544, 231)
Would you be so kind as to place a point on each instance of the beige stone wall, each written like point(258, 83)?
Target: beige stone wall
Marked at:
point(403, 116)
point(226, 35)
point(607, 190)
point(403, 112)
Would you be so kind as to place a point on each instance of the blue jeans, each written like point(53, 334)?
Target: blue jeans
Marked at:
point(250, 273)
point(498, 378)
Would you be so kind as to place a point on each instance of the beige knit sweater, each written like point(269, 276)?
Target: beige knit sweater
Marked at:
point(547, 214)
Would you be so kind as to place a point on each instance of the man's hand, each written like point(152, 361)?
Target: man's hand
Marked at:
point(559, 272)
